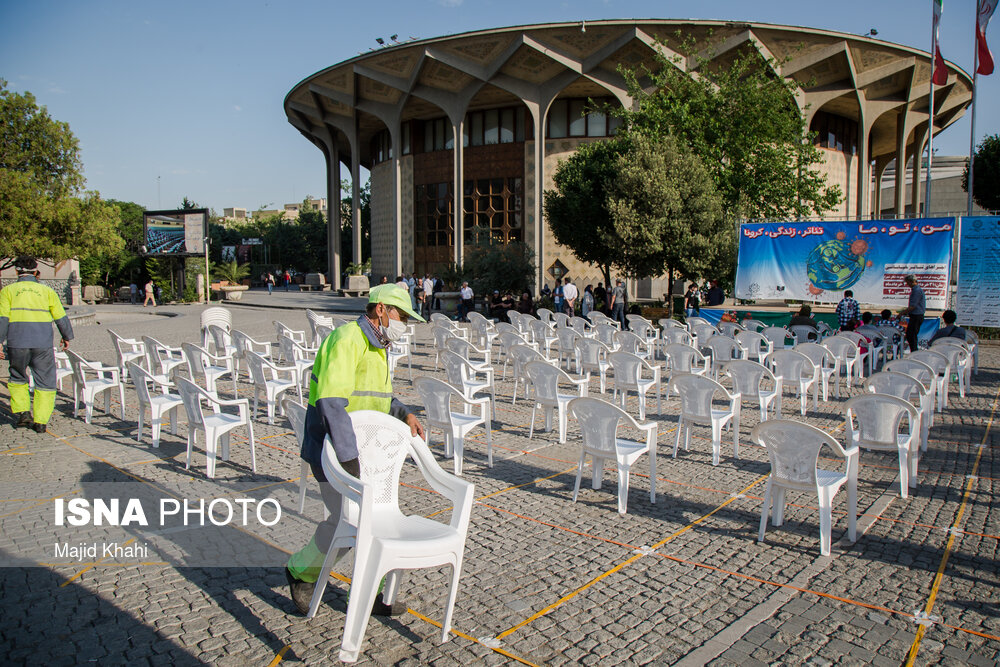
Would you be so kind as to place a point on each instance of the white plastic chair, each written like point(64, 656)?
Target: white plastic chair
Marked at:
point(484, 330)
point(894, 339)
point(543, 334)
point(597, 318)
point(295, 413)
point(960, 361)
point(385, 541)
point(216, 425)
point(923, 374)
point(676, 335)
point(697, 394)
point(582, 327)
point(522, 354)
point(295, 354)
point(162, 360)
point(701, 333)
point(634, 373)
point(437, 396)
point(273, 380)
point(63, 368)
point(299, 336)
point(777, 337)
point(90, 380)
point(462, 375)
point(748, 381)
point(909, 389)
point(848, 357)
point(599, 423)
point(440, 335)
point(160, 405)
point(730, 329)
point(399, 350)
point(942, 370)
point(795, 370)
point(754, 345)
point(508, 339)
point(632, 343)
point(561, 320)
point(824, 330)
point(865, 355)
point(544, 314)
point(827, 364)
point(316, 320)
point(126, 350)
point(755, 326)
point(722, 350)
point(645, 330)
point(467, 350)
point(244, 343)
point(878, 348)
point(567, 337)
point(215, 315)
point(205, 367)
point(592, 357)
point(695, 320)
point(545, 379)
point(874, 422)
point(804, 333)
point(794, 450)
point(225, 348)
point(685, 359)
point(670, 323)
point(608, 335)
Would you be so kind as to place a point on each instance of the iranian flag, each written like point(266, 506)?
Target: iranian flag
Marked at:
point(985, 11)
point(940, 76)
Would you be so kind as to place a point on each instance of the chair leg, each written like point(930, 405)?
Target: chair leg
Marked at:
point(459, 454)
point(142, 414)
point(765, 510)
point(778, 507)
point(597, 474)
point(359, 605)
point(716, 441)
point(563, 418)
point(904, 472)
point(456, 573)
point(155, 427)
point(579, 475)
point(825, 521)
point(622, 489)
point(677, 440)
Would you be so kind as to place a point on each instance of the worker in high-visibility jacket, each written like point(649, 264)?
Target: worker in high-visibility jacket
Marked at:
point(27, 311)
point(351, 372)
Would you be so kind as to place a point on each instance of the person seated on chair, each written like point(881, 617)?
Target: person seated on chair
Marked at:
point(950, 329)
point(804, 317)
point(351, 373)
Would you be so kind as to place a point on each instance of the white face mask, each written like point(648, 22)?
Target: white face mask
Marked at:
point(395, 330)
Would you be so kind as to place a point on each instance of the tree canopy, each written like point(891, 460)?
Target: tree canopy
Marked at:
point(742, 121)
point(42, 209)
point(986, 174)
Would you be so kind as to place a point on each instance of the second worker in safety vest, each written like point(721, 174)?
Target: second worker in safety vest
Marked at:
point(351, 372)
point(27, 310)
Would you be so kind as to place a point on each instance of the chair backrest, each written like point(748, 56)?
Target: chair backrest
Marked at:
point(753, 325)
point(643, 328)
point(824, 329)
point(915, 369)
point(296, 414)
point(436, 395)
point(315, 319)
point(696, 392)
point(540, 330)
point(561, 319)
point(933, 358)
point(442, 318)
point(804, 332)
point(544, 314)
point(459, 346)
point(590, 352)
point(956, 354)
point(457, 369)
point(819, 355)
point(791, 364)
point(842, 348)
point(694, 319)
point(793, 448)
point(257, 368)
point(878, 418)
point(522, 354)
point(606, 334)
point(123, 347)
point(895, 384)
point(194, 355)
point(580, 325)
point(441, 336)
point(141, 379)
point(730, 329)
point(567, 337)
point(776, 335)
point(215, 315)
point(291, 349)
point(870, 332)
point(677, 335)
point(891, 333)
point(703, 332)
point(221, 338)
point(632, 319)
point(627, 368)
point(723, 348)
point(545, 379)
point(503, 327)
point(598, 423)
point(76, 362)
point(242, 341)
point(682, 358)
point(156, 353)
point(284, 330)
point(192, 395)
point(853, 336)
point(476, 317)
point(630, 342)
point(669, 323)
point(747, 376)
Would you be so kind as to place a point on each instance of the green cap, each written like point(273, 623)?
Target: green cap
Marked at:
point(393, 295)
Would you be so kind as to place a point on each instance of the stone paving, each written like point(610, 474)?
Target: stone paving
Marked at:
point(545, 580)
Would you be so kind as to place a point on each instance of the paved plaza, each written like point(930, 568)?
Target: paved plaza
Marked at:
point(546, 581)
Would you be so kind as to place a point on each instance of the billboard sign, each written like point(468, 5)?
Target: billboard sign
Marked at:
point(977, 300)
point(817, 261)
point(175, 232)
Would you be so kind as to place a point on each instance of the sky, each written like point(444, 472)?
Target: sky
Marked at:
point(178, 98)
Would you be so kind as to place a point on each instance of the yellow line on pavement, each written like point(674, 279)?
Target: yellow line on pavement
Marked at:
point(279, 656)
point(80, 573)
point(939, 576)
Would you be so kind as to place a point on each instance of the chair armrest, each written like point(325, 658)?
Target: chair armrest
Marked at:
point(458, 491)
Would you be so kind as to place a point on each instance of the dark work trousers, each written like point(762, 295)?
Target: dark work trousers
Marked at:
point(41, 361)
point(333, 500)
point(912, 329)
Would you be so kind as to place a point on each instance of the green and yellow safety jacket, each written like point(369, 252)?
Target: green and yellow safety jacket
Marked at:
point(351, 373)
point(27, 310)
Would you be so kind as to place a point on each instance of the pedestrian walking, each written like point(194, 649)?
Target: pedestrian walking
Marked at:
point(149, 294)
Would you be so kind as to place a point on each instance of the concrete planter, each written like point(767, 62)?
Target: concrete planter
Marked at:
point(449, 302)
point(233, 292)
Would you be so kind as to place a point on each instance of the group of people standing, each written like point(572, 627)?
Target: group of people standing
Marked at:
point(566, 298)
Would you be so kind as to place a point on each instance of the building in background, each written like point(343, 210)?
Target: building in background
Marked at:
point(947, 196)
point(467, 130)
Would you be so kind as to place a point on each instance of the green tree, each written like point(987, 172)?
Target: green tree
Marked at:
point(742, 121)
point(42, 209)
point(577, 211)
point(986, 174)
point(667, 213)
point(492, 266)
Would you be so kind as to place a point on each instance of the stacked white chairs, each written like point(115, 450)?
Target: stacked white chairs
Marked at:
point(804, 333)
point(960, 361)
point(162, 360)
point(633, 373)
point(508, 339)
point(295, 354)
point(676, 335)
point(225, 348)
point(245, 343)
point(754, 345)
point(214, 315)
point(909, 389)
point(90, 380)
point(386, 541)
point(755, 326)
point(754, 381)
point(271, 379)
point(826, 363)
point(545, 379)
point(942, 370)
point(923, 374)
point(316, 320)
point(875, 422)
point(865, 355)
point(462, 375)
point(722, 350)
point(778, 336)
point(160, 404)
point(599, 422)
point(685, 359)
point(730, 329)
point(544, 335)
point(521, 355)
point(848, 356)
point(437, 396)
point(629, 342)
point(697, 394)
point(794, 450)
point(795, 370)
point(592, 357)
point(207, 368)
point(582, 327)
point(607, 334)
point(295, 413)
point(544, 314)
point(566, 345)
point(215, 425)
point(126, 350)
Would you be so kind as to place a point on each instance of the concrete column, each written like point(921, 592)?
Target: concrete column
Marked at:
point(356, 202)
point(900, 203)
point(864, 168)
point(395, 135)
point(458, 189)
point(538, 120)
point(333, 223)
point(880, 166)
point(919, 141)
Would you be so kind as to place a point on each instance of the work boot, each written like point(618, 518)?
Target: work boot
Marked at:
point(22, 420)
point(301, 592)
point(38, 428)
point(382, 609)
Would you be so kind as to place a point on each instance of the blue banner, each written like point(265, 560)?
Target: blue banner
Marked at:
point(978, 298)
point(817, 261)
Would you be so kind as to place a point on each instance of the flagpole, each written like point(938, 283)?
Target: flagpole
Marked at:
point(972, 110)
point(930, 129)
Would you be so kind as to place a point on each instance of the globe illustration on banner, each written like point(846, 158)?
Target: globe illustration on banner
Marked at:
point(837, 264)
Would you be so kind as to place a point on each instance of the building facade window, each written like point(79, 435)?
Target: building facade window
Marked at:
point(568, 117)
point(496, 205)
point(381, 147)
point(835, 132)
point(433, 226)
